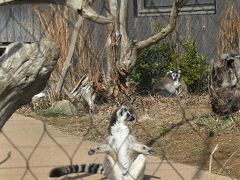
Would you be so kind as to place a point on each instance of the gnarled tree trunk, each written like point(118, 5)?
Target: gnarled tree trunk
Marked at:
point(24, 71)
point(224, 85)
point(122, 50)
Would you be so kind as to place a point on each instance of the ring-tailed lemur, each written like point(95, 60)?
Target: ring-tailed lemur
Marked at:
point(124, 158)
point(168, 85)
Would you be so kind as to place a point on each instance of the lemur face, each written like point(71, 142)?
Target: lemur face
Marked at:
point(174, 75)
point(124, 114)
point(121, 115)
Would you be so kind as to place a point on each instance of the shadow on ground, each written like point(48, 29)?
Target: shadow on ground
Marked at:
point(146, 177)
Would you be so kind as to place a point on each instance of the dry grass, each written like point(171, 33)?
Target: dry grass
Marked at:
point(229, 34)
point(57, 23)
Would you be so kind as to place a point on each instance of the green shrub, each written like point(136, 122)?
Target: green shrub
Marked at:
point(197, 151)
point(216, 124)
point(194, 67)
point(49, 112)
point(152, 63)
point(41, 105)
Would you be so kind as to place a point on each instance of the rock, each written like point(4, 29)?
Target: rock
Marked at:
point(81, 106)
point(65, 107)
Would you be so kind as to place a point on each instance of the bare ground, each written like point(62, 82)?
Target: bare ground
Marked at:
point(172, 127)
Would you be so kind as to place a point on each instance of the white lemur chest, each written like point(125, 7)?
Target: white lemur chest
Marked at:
point(121, 143)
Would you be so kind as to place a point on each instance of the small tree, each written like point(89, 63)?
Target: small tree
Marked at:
point(123, 51)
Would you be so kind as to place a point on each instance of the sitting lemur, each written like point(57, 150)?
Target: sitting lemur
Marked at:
point(124, 159)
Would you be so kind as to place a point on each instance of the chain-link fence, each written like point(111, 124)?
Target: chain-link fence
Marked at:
point(183, 131)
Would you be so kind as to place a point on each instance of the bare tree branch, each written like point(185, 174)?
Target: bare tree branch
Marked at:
point(68, 61)
point(80, 6)
point(113, 5)
point(181, 3)
point(165, 31)
point(122, 21)
point(89, 13)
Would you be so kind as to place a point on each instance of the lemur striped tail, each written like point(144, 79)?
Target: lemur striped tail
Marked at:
point(82, 168)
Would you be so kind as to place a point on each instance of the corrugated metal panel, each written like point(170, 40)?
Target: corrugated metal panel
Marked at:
point(4, 18)
point(18, 23)
point(203, 29)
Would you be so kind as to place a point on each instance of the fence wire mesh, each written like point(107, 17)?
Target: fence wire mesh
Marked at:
point(180, 130)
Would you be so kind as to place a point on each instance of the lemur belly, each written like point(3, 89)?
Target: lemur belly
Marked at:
point(121, 137)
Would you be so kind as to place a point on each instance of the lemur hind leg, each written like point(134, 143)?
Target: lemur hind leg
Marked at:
point(136, 170)
point(112, 169)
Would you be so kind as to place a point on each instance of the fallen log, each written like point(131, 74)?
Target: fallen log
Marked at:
point(24, 71)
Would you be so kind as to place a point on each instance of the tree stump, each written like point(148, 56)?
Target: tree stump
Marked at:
point(24, 71)
point(224, 85)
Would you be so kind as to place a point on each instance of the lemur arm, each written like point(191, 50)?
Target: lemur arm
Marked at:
point(100, 149)
point(141, 148)
point(103, 148)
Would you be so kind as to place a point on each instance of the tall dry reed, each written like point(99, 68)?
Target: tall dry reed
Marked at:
point(229, 34)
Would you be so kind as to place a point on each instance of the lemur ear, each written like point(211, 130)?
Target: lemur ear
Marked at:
point(121, 112)
point(179, 71)
point(169, 72)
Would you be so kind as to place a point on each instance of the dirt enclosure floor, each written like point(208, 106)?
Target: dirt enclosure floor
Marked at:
point(182, 130)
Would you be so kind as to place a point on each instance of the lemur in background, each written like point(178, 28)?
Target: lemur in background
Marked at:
point(168, 85)
point(124, 159)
